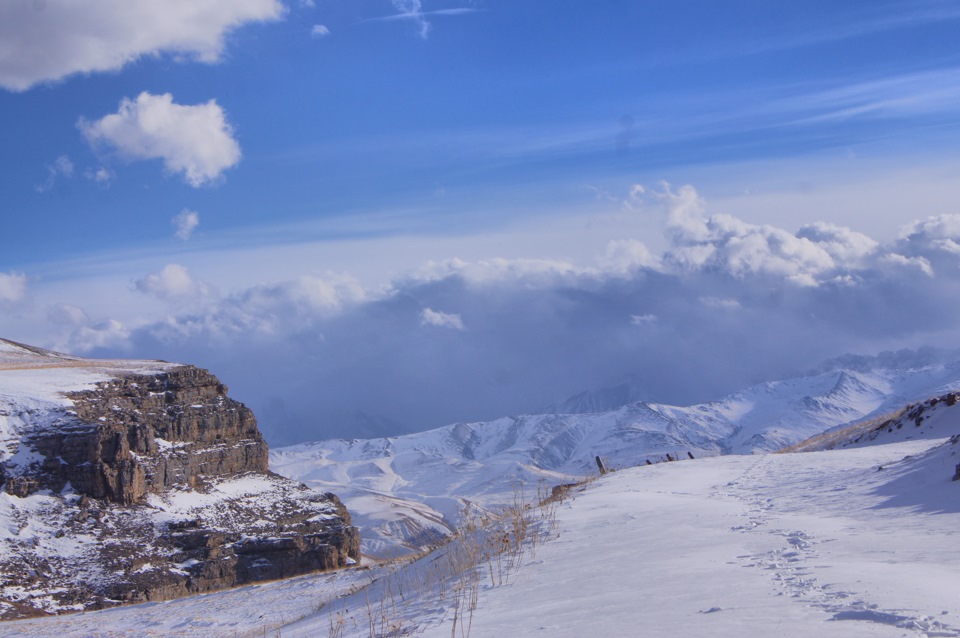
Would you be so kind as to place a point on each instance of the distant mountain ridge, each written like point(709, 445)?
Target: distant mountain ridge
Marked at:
point(432, 475)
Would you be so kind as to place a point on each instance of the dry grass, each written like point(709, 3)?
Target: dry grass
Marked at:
point(484, 553)
point(829, 440)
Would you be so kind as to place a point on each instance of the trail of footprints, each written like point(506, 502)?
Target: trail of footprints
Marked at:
point(792, 566)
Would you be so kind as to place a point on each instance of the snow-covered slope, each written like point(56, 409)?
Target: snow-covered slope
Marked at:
point(789, 545)
point(406, 490)
point(33, 383)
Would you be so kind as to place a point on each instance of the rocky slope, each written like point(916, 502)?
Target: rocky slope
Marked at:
point(135, 480)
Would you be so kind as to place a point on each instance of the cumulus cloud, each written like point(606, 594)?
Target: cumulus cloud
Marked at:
point(195, 140)
point(430, 317)
point(626, 255)
point(13, 287)
point(185, 223)
point(48, 40)
point(107, 334)
point(172, 282)
point(319, 31)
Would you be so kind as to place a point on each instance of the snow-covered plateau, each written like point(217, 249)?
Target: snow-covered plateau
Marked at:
point(855, 532)
point(821, 543)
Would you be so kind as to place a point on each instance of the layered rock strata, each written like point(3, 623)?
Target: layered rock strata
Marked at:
point(146, 483)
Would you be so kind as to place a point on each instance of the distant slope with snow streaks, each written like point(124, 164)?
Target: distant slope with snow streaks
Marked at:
point(409, 490)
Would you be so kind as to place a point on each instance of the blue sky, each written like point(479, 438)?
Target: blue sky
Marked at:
point(186, 178)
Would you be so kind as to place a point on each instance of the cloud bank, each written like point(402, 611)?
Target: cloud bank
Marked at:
point(724, 305)
point(194, 140)
point(47, 40)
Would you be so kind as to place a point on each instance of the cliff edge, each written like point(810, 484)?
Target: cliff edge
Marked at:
point(130, 481)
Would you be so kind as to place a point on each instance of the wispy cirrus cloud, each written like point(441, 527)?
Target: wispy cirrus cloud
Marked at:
point(412, 11)
point(61, 167)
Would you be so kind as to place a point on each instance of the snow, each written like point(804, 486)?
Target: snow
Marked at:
point(405, 491)
point(820, 543)
point(34, 382)
point(856, 541)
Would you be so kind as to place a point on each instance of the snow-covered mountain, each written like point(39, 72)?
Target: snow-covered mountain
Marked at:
point(406, 491)
point(792, 545)
point(860, 534)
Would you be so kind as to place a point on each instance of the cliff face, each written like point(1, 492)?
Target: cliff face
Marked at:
point(144, 434)
point(143, 484)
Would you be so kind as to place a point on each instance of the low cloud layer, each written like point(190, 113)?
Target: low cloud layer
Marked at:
point(193, 140)
point(172, 282)
point(725, 305)
point(47, 40)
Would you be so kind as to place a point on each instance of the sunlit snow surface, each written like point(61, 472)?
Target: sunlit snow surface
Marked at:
point(822, 543)
point(405, 491)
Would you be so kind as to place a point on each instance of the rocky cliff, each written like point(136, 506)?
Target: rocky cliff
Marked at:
point(137, 481)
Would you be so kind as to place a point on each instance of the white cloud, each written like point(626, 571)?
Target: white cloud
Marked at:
point(412, 10)
point(720, 304)
point(13, 287)
point(626, 255)
point(308, 4)
point(195, 140)
point(845, 246)
point(429, 317)
point(497, 271)
point(186, 222)
point(61, 167)
point(52, 39)
point(263, 311)
point(173, 281)
point(922, 264)
point(108, 333)
point(319, 31)
point(67, 315)
point(102, 175)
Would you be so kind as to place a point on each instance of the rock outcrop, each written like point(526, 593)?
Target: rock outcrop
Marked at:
point(143, 482)
point(146, 433)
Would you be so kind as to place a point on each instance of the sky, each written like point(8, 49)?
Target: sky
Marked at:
point(378, 216)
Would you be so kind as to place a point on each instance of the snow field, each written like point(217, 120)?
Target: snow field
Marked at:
point(822, 543)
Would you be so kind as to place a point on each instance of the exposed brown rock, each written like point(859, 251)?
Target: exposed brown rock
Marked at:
point(116, 464)
point(142, 434)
